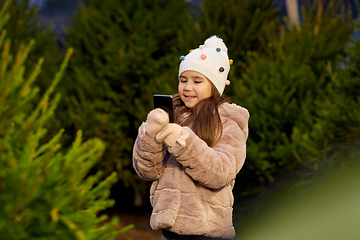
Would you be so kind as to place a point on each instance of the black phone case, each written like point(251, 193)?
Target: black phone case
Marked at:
point(165, 102)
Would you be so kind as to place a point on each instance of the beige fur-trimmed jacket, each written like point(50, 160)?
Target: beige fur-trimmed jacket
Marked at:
point(191, 193)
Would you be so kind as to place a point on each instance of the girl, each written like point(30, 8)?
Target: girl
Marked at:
point(194, 161)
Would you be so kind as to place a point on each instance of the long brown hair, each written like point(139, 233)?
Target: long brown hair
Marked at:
point(203, 118)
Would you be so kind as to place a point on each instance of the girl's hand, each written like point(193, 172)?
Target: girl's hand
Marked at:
point(171, 134)
point(156, 120)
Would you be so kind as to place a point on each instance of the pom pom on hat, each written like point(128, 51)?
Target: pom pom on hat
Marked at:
point(210, 59)
point(215, 42)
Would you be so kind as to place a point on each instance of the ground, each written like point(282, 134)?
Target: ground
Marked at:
point(141, 230)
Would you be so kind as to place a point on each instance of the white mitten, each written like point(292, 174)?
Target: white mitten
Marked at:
point(171, 134)
point(156, 120)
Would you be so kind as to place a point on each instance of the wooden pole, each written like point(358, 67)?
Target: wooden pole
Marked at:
point(292, 9)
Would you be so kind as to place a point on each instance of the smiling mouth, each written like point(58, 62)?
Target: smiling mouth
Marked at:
point(189, 97)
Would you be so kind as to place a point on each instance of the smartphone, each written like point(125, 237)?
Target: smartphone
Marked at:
point(165, 102)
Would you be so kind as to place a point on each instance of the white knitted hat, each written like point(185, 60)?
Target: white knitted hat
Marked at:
point(211, 60)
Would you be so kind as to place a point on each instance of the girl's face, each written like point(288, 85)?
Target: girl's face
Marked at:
point(193, 87)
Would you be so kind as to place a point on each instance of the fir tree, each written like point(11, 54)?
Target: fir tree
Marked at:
point(23, 26)
point(45, 192)
point(125, 51)
point(282, 84)
point(243, 25)
point(339, 110)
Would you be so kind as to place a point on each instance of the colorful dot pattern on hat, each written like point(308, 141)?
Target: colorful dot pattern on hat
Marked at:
point(210, 59)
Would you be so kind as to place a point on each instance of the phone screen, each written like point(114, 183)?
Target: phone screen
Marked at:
point(165, 102)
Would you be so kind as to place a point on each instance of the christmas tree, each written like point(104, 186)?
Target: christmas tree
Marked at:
point(46, 192)
point(124, 52)
point(283, 87)
point(25, 20)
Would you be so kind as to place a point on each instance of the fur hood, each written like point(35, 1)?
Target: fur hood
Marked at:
point(237, 113)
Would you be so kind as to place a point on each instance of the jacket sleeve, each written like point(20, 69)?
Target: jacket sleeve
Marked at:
point(217, 166)
point(148, 156)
